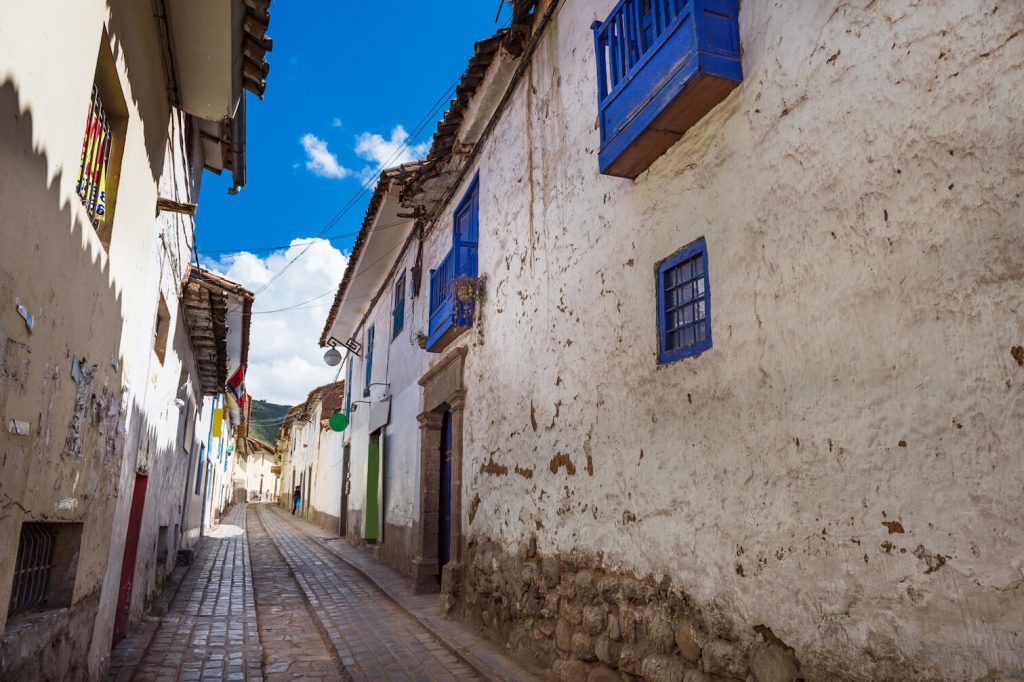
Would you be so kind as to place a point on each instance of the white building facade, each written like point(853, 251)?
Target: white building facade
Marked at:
point(754, 407)
point(102, 385)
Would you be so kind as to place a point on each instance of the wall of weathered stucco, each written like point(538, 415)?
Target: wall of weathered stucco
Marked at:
point(87, 439)
point(399, 362)
point(843, 466)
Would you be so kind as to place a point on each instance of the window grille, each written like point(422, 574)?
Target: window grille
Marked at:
point(684, 304)
point(92, 169)
point(33, 566)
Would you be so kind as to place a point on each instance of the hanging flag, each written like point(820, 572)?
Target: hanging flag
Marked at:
point(218, 418)
point(236, 384)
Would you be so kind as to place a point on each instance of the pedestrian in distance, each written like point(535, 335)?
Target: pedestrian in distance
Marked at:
point(296, 499)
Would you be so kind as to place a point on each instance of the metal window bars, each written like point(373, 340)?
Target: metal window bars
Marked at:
point(33, 566)
point(92, 169)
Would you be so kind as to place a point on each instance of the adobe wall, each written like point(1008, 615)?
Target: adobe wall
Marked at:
point(842, 468)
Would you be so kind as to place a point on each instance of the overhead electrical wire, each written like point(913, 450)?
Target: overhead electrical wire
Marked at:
point(282, 247)
point(369, 181)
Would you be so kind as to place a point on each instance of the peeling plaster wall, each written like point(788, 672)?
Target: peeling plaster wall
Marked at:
point(399, 362)
point(87, 439)
point(843, 466)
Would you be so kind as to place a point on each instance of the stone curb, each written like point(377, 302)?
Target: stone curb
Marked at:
point(479, 667)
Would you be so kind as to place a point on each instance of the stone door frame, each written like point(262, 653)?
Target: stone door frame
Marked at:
point(443, 389)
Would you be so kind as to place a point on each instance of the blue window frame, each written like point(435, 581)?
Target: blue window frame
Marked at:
point(662, 65)
point(369, 362)
point(199, 469)
point(348, 386)
point(398, 306)
point(449, 317)
point(684, 304)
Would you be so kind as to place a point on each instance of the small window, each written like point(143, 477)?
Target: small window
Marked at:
point(160, 329)
point(348, 387)
point(102, 144)
point(95, 161)
point(398, 307)
point(369, 362)
point(45, 567)
point(684, 304)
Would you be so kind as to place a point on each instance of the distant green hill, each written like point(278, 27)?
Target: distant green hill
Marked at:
point(266, 420)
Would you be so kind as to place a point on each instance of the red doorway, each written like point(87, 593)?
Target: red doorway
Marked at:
point(131, 548)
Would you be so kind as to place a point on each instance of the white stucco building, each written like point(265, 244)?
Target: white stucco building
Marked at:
point(755, 406)
point(110, 112)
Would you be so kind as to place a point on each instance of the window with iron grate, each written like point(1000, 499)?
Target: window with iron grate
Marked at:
point(95, 161)
point(44, 569)
point(684, 304)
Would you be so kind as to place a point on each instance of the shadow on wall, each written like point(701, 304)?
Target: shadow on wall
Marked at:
point(66, 468)
point(135, 33)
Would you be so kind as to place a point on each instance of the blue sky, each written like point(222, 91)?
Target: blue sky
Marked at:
point(348, 81)
point(339, 70)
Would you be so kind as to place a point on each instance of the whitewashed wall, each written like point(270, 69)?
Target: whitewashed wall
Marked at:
point(400, 363)
point(93, 303)
point(843, 465)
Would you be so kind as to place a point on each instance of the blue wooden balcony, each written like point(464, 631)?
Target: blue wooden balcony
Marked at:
point(450, 316)
point(662, 65)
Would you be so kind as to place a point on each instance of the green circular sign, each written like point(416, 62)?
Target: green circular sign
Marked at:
point(338, 421)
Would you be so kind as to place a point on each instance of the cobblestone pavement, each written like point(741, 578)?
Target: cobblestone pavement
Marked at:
point(293, 646)
point(266, 601)
point(210, 631)
point(373, 638)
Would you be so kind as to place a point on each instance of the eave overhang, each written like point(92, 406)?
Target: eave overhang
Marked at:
point(207, 299)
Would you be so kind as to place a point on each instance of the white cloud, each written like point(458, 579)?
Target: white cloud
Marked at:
point(336, 122)
point(387, 153)
point(285, 360)
point(320, 160)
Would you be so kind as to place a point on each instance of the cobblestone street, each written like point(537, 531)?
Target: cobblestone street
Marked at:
point(267, 599)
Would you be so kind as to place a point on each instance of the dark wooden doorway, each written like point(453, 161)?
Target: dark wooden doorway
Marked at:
point(444, 532)
point(131, 549)
point(346, 486)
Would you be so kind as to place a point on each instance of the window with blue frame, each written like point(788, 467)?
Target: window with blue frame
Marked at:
point(662, 65)
point(398, 306)
point(368, 364)
point(348, 387)
point(199, 469)
point(448, 315)
point(684, 304)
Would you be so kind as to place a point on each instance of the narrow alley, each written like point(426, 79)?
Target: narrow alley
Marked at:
point(569, 340)
point(269, 597)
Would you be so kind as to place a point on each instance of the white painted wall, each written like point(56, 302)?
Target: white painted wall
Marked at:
point(92, 303)
point(398, 362)
point(861, 210)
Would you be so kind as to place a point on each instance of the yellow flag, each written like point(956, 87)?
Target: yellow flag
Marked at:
point(218, 417)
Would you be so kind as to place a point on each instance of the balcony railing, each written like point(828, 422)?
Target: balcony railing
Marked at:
point(450, 316)
point(661, 66)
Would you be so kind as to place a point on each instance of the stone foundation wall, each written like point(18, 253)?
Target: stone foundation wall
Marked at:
point(328, 522)
point(51, 645)
point(586, 623)
point(398, 548)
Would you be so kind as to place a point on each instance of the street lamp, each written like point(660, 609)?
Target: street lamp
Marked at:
point(332, 357)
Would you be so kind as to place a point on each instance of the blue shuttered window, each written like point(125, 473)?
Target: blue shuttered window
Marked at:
point(398, 306)
point(348, 387)
point(662, 65)
point(369, 362)
point(684, 304)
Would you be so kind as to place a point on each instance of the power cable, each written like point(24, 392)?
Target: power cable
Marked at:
point(367, 183)
point(281, 247)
